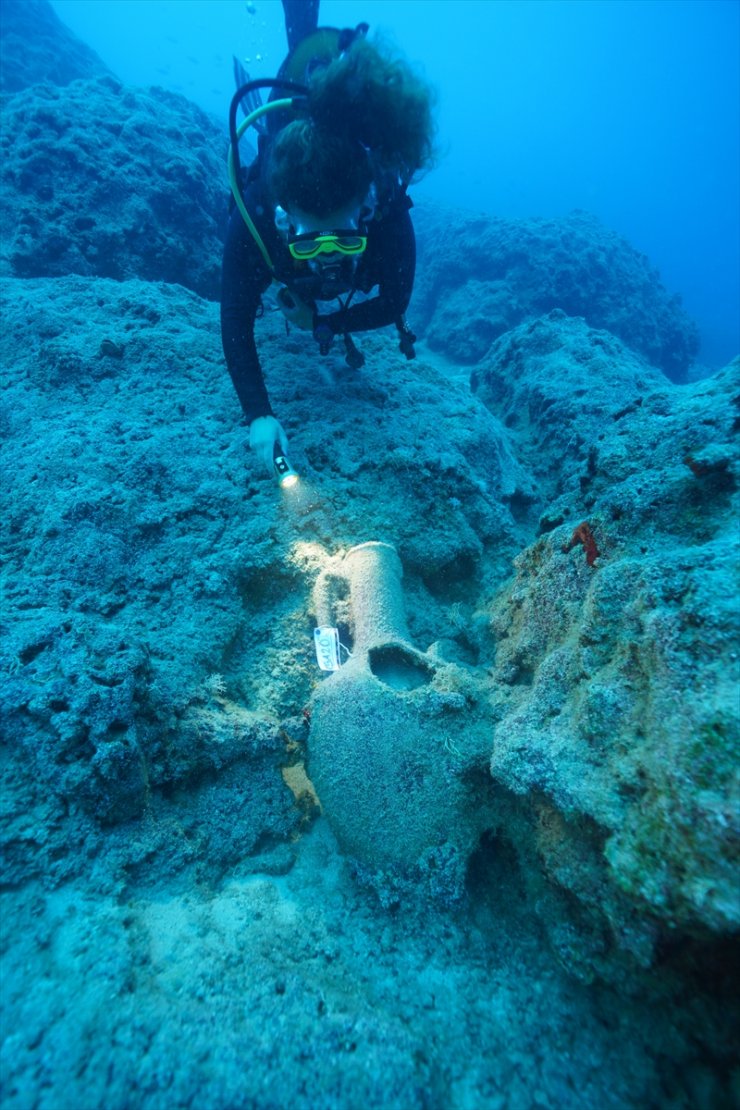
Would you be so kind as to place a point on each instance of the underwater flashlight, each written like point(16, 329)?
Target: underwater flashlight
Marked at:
point(284, 472)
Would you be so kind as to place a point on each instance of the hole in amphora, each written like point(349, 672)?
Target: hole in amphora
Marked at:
point(399, 668)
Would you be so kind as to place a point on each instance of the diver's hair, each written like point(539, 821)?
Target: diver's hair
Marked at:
point(377, 99)
point(369, 116)
point(316, 171)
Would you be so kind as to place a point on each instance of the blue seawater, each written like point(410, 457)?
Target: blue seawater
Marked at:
point(627, 108)
point(491, 863)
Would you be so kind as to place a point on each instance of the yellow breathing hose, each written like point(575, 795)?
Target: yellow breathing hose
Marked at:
point(250, 119)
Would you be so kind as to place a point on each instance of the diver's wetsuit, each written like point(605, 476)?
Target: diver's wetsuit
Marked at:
point(388, 262)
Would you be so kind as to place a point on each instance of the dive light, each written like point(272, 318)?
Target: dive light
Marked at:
point(284, 472)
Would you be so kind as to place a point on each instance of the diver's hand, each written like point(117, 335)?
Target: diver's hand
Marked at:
point(264, 433)
point(295, 311)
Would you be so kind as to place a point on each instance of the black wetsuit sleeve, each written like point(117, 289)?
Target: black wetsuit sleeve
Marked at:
point(396, 268)
point(244, 278)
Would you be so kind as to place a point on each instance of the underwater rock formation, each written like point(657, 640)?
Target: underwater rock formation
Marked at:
point(36, 48)
point(158, 655)
point(140, 566)
point(113, 695)
point(551, 382)
point(105, 181)
point(566, 530)
point(479, 276)
point(616, 718)
point(144, 556)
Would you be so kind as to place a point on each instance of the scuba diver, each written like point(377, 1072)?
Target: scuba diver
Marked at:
point(323, 209)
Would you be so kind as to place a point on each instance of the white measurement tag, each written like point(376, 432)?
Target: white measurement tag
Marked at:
point(326, 642)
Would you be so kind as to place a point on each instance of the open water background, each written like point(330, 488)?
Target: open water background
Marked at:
point(627, 108)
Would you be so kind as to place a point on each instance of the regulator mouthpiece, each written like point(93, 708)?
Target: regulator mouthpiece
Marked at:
point(284, 472)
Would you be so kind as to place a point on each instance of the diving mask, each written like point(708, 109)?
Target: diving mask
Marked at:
point(311, 244)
